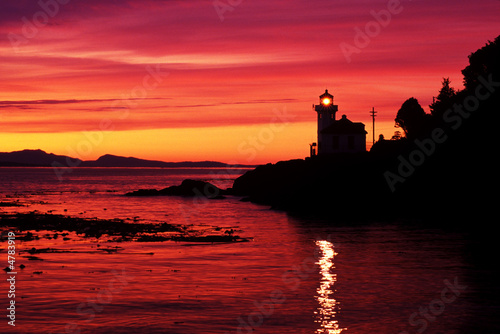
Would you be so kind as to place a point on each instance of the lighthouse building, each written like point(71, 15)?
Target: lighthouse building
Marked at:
point(336, 136)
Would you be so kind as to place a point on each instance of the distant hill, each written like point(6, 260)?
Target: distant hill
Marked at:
point(39, 158)
point(34, 158)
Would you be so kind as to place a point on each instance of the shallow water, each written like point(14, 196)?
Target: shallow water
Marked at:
point(296, 276)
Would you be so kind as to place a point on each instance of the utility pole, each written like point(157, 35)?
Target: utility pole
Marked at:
point(373, 114)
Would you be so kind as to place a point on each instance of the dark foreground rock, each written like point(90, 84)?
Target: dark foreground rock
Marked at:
point(188, 188)
point(449, 188)
point(30, 223)
point(335, 186)
point(34, 226)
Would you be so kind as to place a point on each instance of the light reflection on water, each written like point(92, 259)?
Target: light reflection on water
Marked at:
point(328, 306)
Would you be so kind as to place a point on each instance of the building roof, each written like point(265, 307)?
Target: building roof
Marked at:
point(326, 94)
point(344, 126)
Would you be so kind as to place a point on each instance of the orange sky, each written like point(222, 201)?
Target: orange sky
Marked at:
point(184, 80)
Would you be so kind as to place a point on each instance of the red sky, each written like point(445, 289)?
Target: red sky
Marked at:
point(226, 80)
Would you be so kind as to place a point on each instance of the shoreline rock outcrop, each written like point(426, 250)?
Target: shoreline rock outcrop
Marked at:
point(188, 188)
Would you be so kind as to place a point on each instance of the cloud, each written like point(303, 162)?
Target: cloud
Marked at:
point(51, 102)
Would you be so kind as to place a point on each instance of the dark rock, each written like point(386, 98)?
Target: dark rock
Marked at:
point(188, 188)
point(211, 238)
point(144, 192)
point(7, 204)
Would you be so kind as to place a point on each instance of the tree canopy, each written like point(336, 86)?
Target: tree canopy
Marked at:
point(411, 117)
point(483, 63)
point(444, 100)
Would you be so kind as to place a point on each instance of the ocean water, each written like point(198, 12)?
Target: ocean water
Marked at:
point(295, 276)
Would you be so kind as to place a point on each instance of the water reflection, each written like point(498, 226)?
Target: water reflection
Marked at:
point(327, 308)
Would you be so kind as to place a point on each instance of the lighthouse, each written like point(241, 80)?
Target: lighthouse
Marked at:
point(336, 136)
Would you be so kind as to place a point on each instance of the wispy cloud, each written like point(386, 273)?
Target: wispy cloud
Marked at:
point(72, 101)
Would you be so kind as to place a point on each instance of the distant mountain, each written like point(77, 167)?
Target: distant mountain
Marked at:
point(35, 158)
point(109, 160)
point(39, 158)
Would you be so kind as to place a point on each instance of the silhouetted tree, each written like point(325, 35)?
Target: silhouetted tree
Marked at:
point(483, 63)
point(482, 84)
point(396, 136)
point(412, 118)
point(444, 100)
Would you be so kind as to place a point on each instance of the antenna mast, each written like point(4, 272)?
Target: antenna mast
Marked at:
point(373, 114)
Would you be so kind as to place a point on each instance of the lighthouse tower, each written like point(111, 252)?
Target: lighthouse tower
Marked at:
point(336, 136)
point(326, 115)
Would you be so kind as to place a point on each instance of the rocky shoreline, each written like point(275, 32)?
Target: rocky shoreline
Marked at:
point(35, 226)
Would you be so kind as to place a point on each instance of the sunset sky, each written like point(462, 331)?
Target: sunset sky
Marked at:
point(225, 80)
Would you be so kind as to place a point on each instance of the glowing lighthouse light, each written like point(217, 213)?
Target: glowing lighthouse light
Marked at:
point(326, 101)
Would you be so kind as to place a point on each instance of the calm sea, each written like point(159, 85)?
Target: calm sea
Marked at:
point(296, 276)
